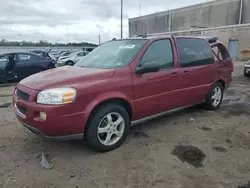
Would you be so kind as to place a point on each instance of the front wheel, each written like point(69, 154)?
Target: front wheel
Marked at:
point(108, 127)
point(214, 97)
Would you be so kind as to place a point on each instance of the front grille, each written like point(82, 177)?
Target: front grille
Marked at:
point(21, 109)
point(22, 95)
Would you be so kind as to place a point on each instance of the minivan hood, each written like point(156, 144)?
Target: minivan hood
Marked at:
point(65, 76)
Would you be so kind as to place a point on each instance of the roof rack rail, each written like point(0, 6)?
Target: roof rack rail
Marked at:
point(143, 36)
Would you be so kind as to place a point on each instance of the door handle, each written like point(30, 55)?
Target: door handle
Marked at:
point(186, 72)
point(174, 74)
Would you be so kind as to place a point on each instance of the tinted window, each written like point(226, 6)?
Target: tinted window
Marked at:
point(4, 60)
point(194, 52)
point(23, 58)
point(39, 58)
point(112, 54)
point(160, 51)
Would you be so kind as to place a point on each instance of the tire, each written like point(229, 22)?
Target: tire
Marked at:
point(51, 67)
point(100, 121)
point(245, 73)
point(210, 103)
point(69, 63)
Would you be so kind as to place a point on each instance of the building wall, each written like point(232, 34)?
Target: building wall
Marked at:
point(206, 15)
point(240, 34)
point(212, 14)
point(246, 12)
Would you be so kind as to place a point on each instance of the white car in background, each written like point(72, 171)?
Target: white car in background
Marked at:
point(72, 59)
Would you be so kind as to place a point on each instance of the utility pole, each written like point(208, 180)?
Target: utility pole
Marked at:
point(99, 38)
point(67, 33)
point(139, 10)
point(121, 19)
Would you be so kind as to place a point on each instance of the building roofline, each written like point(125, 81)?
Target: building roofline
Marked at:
point(203, 29)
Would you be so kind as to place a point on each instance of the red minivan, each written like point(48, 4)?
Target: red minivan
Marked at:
point(120, 83)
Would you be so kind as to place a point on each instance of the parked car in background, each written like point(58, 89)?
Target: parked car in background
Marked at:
point(123, 82)
point(71, 59)
point(44, 54)
point(61, 53)
point(247, 68)
point(19, 65)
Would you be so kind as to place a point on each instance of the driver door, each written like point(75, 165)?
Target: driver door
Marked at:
point(10, 69)
point(157, 92)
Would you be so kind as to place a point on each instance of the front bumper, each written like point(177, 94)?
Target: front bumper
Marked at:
point(62, 122)
point(59, 138)
point(60, 64)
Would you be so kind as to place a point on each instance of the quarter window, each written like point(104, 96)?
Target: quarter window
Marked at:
point(161, 52)
point(194, 52)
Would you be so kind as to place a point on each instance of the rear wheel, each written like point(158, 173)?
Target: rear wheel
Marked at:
point(246, 73)
point(214, 97)
point(108, 127)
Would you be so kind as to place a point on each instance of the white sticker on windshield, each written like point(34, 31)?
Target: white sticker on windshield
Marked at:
point(126, 46)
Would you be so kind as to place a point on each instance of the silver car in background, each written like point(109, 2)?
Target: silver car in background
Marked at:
point(71, 59)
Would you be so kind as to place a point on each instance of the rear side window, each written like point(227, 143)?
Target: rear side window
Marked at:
point(24, 58)
point(39, 58)
point(161, 52)
point(194, 52)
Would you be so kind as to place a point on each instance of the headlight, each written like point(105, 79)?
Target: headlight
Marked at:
point(57, 96)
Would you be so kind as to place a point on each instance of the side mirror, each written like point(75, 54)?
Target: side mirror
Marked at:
point(150, 66)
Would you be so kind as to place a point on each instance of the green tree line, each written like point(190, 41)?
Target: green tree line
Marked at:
point(5, 42)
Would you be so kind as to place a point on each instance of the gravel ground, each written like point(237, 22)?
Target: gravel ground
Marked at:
point(151, 156)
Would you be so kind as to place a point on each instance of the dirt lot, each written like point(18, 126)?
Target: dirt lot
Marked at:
point(146, 159)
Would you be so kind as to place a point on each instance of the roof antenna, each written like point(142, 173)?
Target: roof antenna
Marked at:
point(114, 39)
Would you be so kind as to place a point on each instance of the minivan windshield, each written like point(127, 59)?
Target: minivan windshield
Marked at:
point(112, 54)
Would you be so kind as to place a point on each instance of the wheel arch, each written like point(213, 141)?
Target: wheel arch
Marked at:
point(100, 101)
point(69, 61)
point(222, 82)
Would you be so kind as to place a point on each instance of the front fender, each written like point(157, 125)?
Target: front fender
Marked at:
point(105, 97)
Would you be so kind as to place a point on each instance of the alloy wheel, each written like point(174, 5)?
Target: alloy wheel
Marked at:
point(216, 96)
point(111, 129)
